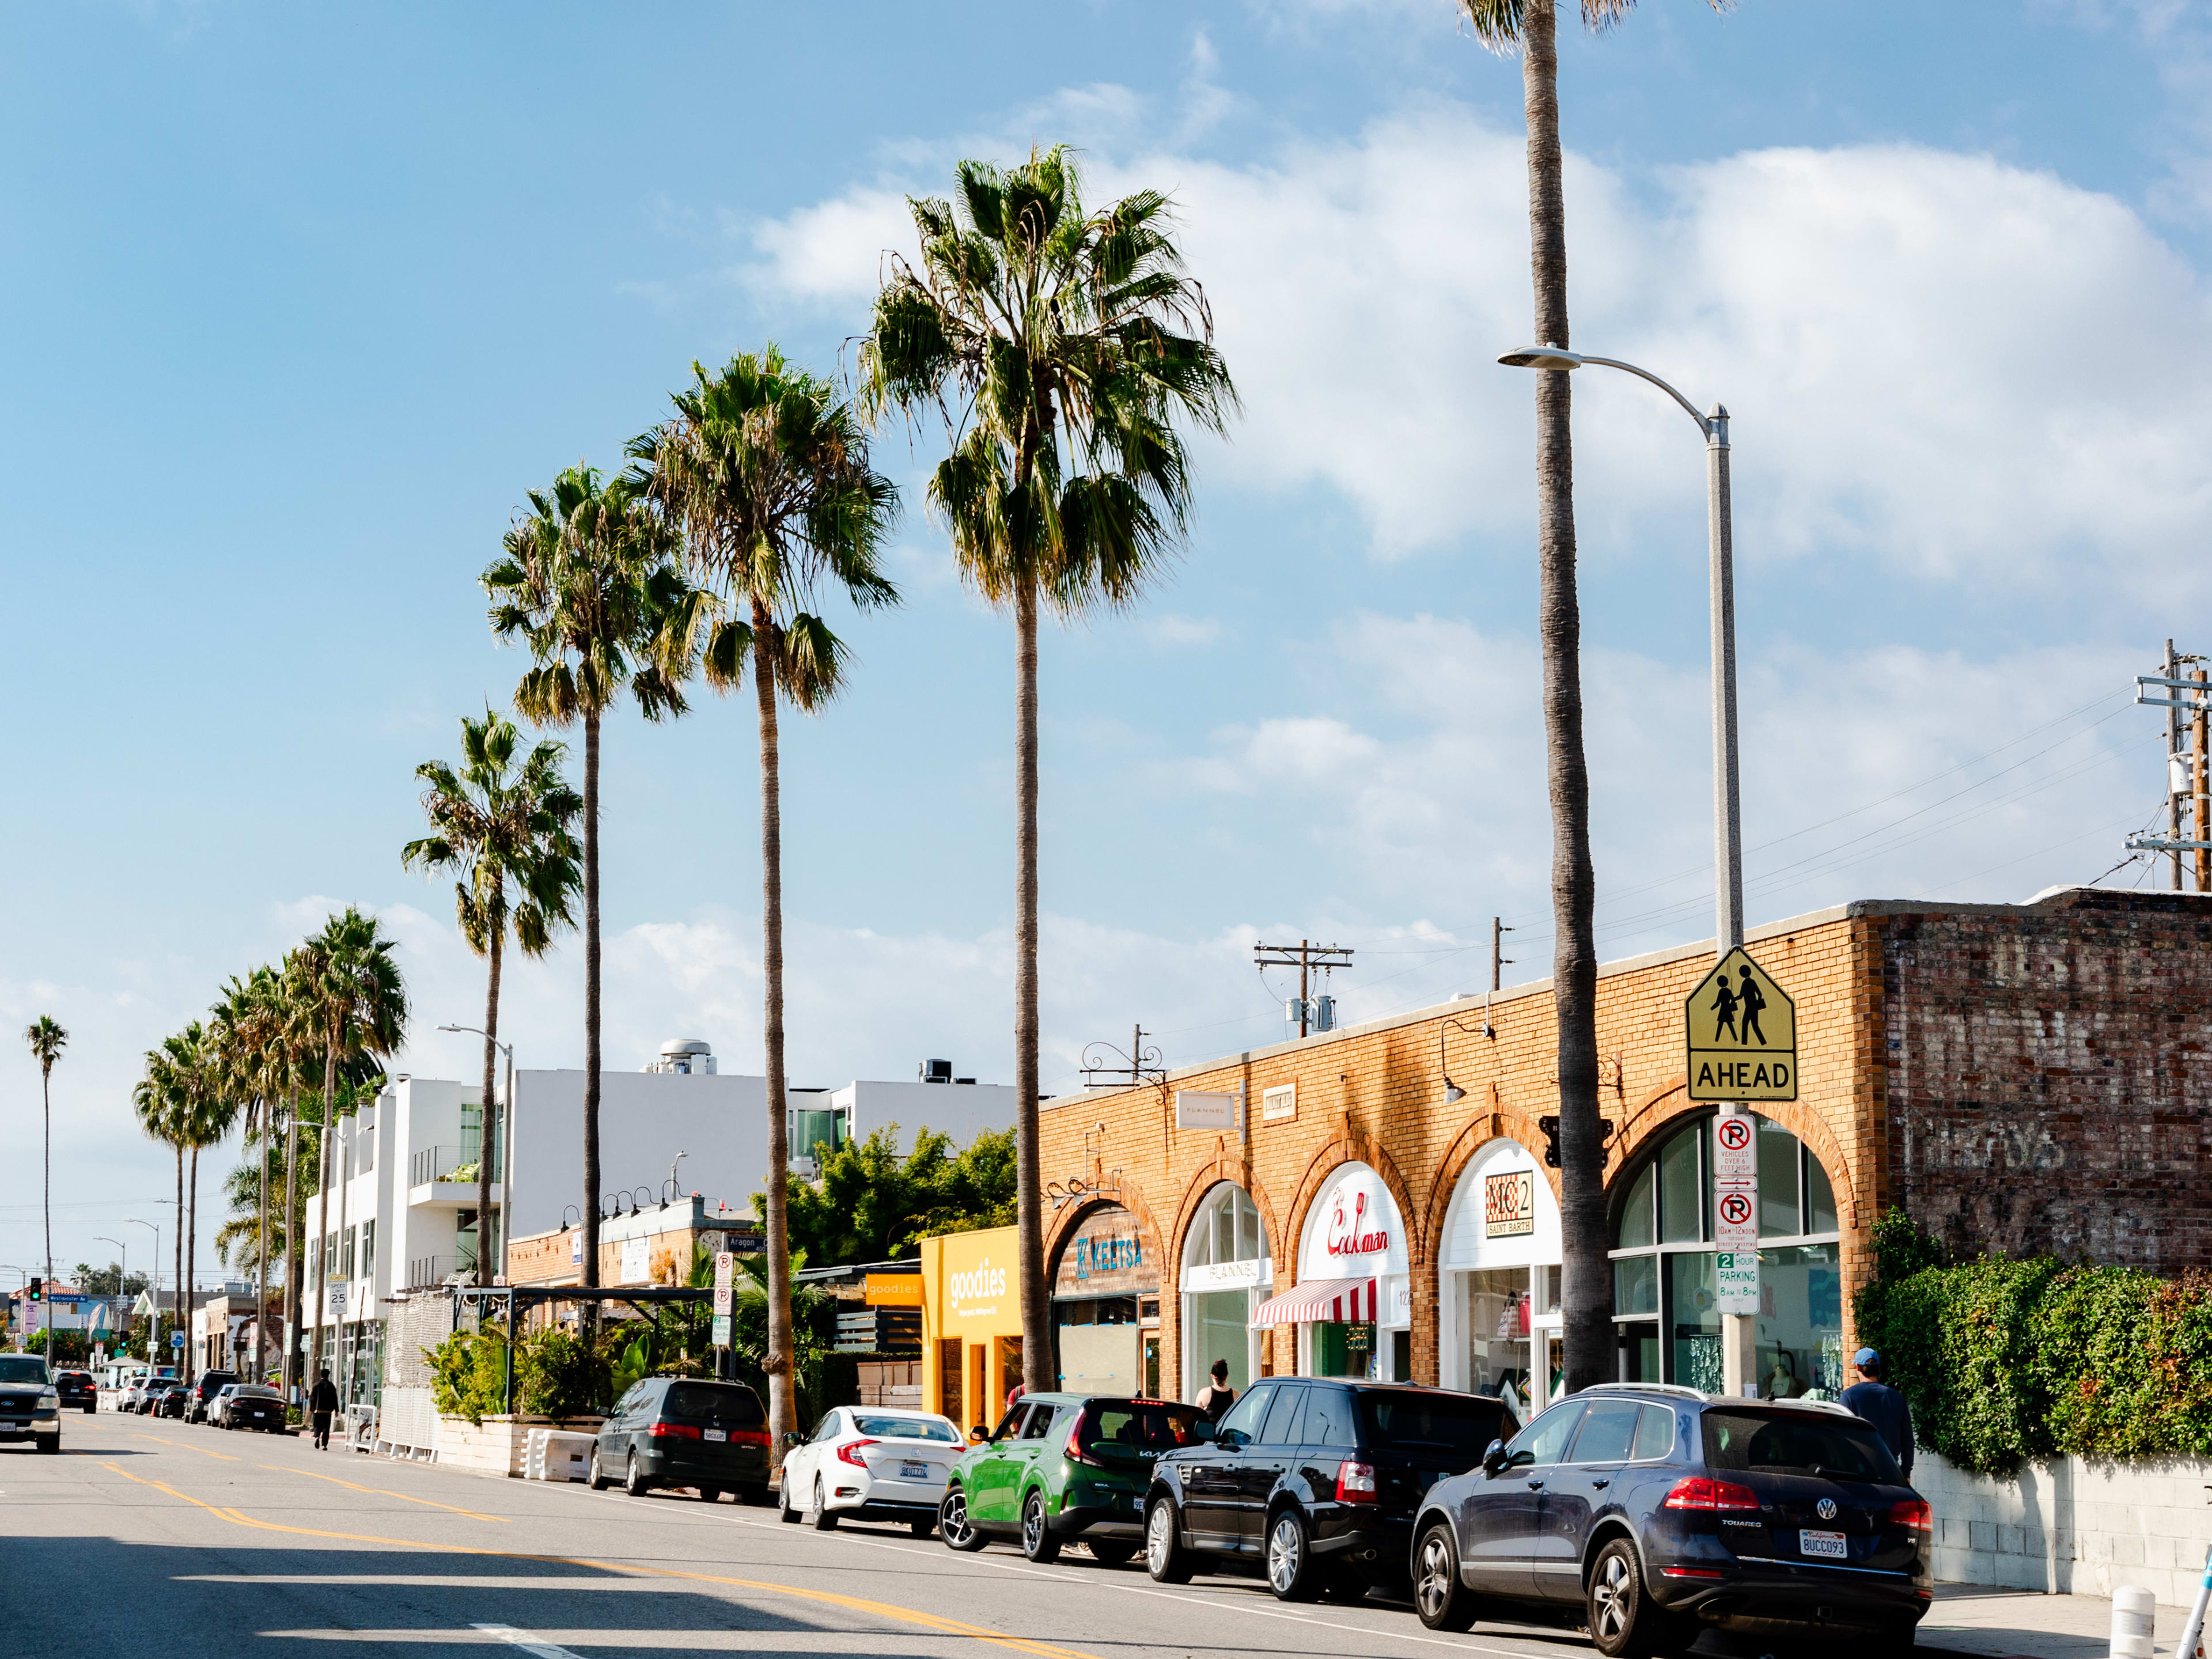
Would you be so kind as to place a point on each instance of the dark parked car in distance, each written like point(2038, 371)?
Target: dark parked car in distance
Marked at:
point(77, 1390)
point(1654, 1511)
point(174, 1400)
point(205, 1387)
point(253, 1405)
point(685, 1432)
point(1319, 1478)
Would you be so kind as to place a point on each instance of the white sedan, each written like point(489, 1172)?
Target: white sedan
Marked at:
point(870, 1464)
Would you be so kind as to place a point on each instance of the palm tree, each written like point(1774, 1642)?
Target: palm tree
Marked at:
point(590, 584)
point(355, 1001)
point(767, 473)
point(47, 1040)
point(503, 830)
point(254, 1066)
point(1063, 350)
point(206, 1112)
point(1586, 1276)
point(162, 1100)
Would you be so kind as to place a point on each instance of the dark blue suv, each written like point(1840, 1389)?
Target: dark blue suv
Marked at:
point(1656, 1510)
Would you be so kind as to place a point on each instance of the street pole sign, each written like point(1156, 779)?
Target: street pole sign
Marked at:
point(1740, 1030)
point(1735, 1211)
point(726, 1272)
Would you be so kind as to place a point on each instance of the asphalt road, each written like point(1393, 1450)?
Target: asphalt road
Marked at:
point(147, 1537)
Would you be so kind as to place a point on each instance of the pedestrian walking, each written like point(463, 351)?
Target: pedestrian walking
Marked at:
point(1215, 1399)
point(1881, 1406)
point(320, 1404)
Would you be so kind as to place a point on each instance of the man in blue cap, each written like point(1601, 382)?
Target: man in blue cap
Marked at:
point(1881, 1406)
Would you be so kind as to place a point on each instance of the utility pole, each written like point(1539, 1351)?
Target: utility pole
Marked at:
point(1499, 961)
point(1305, 956)
point(2188, 705)
point(2201, 816)
point(2174, 742)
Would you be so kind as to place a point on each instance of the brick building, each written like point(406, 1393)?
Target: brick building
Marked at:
point(1376, 1199)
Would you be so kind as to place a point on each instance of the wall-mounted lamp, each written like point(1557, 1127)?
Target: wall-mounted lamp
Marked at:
point(1452, 1092)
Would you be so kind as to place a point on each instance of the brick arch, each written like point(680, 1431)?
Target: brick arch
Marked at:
point(1353, 1144)
point(1114, 1190)
point(1497, 1124)
point(1663, 1109)
point(1225, 1166)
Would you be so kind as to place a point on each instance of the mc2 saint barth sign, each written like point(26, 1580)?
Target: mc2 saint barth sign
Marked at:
point(1740, 1030)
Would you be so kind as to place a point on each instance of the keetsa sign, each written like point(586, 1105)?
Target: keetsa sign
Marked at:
point(1353, 1228)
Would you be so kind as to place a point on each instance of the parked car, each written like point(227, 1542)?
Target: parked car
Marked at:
point(252, 1405)
point(215, 1407)
point(1656, 1510)
point(205, 1387)
point(685, 1432)
point(173, 1400)
point(77, 1390)
point(29, 1407)
point(870, 1464)
point(1061, 1466)
point(1319, 1479)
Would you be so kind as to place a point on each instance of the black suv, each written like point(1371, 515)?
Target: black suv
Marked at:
point(682, 1431)
point(205, 1387)
point(1319, 1479)
point(1654, 1511)
point(77, 1389)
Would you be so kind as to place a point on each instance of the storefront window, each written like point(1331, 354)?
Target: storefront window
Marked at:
point(1497, 1316)
point(1225, 1272)
point(1664, 1267)
point(1498, 1280)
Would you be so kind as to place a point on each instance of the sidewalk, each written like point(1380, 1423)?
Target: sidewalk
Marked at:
point(2014, 1625)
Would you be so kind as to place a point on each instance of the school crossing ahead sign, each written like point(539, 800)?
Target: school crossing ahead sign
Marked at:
point(1741, 1029)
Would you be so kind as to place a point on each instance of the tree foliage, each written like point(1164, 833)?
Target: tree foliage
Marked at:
point(871, 1203)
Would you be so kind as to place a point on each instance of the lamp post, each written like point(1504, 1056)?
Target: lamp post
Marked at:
point(506, 1149)
point(1738, 1362)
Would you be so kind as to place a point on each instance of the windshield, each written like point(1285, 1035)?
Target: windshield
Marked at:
point(722, 1404)
point(254, 1390)
point(1138, 1425)
point(22, 1368)
point(1461, 1423)
point(1797, 1444)
point(908, 1428)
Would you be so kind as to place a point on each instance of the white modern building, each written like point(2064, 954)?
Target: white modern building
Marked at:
point(402, 1215)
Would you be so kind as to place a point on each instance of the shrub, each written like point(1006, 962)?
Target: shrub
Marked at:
point(2004, 1361)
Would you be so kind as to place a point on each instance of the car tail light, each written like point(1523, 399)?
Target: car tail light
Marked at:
point(1691, 1572)
point(749, 1437)
point(1699, 1491)
point(850, 1453)
point(1073, 1450)
point(1913, 1514)
point(1355, 1481)
point(673, 1431)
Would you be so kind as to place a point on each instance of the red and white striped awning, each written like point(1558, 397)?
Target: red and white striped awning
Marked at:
point(1321, 1301)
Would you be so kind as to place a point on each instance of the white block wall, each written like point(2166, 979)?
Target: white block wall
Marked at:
point(2072, 1527)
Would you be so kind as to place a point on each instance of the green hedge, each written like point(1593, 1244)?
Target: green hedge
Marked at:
point(2007, 1361)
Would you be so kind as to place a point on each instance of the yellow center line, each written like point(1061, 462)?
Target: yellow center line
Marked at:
point(880, 1609)
point(405, 1497)
point(185, 1446)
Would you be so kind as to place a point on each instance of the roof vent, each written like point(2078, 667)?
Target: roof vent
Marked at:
point(685, 1055)
point(937, 1071)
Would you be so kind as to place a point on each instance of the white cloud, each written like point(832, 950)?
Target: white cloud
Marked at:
point(1170, 631)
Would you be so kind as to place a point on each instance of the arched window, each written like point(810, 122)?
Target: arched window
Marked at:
point(1663, 1278)
point(1225, 1272)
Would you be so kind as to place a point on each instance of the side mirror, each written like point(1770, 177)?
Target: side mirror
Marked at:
point(1202, 1431)
point(1231, 1439)
point(792, 1440)
point(1493, 1457)
point(978, 1434)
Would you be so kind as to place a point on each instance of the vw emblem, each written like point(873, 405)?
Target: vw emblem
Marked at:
point(1825, 1509)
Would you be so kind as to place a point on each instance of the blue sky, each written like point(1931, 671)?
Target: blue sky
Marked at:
point(301, 303)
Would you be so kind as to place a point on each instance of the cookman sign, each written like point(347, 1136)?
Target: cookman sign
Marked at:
point(1353, 1228)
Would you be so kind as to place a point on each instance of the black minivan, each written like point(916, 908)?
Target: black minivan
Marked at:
point(1653, 1510)
point(1319, 1479)
point(685, 1432)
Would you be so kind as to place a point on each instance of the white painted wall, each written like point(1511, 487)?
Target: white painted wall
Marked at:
point(646, 1118)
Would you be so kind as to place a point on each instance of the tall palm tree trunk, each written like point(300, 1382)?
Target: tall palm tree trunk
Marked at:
point(591, 1225)
point(261, 1256)
point(191, 1257)
point(781, 1415)
point(486, 1258)
point(1586, 1288)
point(1038, 1370)
point(291, 1374)
point(322, 1197)
point(183, 1304)
point(353, 1299)
point(47, 1095)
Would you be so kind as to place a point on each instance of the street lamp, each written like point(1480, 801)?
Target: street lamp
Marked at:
point(507, 1149)
point(1738, 1362)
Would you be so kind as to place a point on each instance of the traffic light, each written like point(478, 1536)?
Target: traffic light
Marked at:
point(38, 1292)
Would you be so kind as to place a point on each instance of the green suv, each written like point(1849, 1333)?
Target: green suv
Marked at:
point(1062, 1465)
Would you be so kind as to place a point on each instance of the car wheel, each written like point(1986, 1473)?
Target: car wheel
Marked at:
point(784, 1512)
point(1623, 1623)
point(50, 1444)
point(710, 1494)
point(1039, 1542)
point(1165, 1557)
point(598, 1481)
point(1291, 1572)
point(953, 1524)
point(1111, 1552)
point(821, 1516)
point(1440, 1596)
point(634, 1480)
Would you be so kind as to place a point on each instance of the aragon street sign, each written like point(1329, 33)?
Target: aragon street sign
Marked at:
point(1740, 1030)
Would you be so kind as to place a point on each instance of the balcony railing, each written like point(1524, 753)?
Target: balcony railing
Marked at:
point(427, 1272)
point(455, 1164)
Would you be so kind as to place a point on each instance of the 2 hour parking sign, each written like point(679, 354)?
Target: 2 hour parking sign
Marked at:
point(1741, 1032)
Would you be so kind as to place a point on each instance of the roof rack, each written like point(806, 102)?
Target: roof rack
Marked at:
point(1674, 1388)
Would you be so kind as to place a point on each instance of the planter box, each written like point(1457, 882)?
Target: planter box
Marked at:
point(500, 1445)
